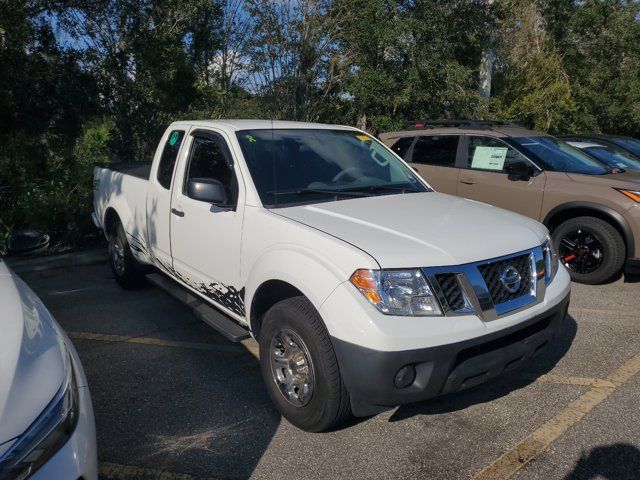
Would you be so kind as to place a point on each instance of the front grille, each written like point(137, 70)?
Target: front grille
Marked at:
point(452, 290)
point(492, 273)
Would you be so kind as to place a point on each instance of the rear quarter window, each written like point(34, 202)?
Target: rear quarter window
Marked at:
point(437, 150)
point(401, 147)
point(168, 158)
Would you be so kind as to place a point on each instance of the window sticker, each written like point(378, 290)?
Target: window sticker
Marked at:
point(250, 138)
point(363, 138)
point(489, 158)
point(173, 139)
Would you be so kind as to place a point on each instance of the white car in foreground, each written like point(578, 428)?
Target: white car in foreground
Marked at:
point(364, 287)
point(47, 429)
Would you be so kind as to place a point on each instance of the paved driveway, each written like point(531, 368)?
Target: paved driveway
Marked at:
point(175, 400)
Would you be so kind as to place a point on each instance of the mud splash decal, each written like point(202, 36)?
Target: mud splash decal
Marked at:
point(225, 295)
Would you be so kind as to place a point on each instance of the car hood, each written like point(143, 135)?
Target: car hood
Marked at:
point(627, 179)
point(422, 229)
point(31, 362)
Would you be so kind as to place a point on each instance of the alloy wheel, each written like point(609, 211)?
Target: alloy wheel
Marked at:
point(581, 251)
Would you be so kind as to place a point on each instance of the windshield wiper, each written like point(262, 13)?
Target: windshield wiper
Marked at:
point(328, 191)
point(392, 188)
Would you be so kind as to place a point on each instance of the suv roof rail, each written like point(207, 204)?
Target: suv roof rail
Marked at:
point(479, 124)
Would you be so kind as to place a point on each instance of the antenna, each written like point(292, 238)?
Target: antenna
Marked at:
point(273, 164)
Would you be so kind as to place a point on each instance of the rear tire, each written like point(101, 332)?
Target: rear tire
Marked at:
point(295, 347)
point(579, 240)
point(126, 269)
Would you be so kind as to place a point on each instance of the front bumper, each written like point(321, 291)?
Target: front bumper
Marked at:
point(78, 458)
point(369, 374)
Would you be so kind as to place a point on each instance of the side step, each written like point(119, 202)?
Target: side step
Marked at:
point(208, 314)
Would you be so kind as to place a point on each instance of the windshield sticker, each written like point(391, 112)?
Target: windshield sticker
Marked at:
point(173, 139)
point(489, 158)
point(250, 138)
point(363, 138)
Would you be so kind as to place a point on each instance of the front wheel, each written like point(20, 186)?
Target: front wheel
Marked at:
point(300, 368)
point(592, 249)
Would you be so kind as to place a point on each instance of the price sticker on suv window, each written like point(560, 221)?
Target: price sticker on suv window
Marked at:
point(489, 158)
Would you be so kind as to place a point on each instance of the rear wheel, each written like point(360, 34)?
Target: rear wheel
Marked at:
point(592, 249)
point(300, 368)
point(126, 269)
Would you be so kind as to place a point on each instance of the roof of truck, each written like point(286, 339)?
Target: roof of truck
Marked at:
point(236, 125)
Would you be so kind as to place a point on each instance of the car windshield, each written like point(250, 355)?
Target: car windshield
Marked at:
point(559, 156)
point(630, 144)
point(614, 157)
point(314, 165)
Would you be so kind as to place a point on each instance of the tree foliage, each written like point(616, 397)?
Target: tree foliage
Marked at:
point(86, 81)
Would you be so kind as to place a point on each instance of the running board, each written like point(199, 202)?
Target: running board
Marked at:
point(208, 314)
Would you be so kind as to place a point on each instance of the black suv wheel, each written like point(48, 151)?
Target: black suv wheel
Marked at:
point(592, 249)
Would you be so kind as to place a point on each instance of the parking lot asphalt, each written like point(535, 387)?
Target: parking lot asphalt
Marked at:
point(173, 399)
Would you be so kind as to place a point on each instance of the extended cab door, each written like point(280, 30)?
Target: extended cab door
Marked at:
point(159, 196)
point(485, 177)
point(434, 157)
point(206, 238)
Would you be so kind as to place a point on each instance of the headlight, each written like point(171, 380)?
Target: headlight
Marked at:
point(632, 194)
point(47, 434)
point(550, 261)
point(397, 292)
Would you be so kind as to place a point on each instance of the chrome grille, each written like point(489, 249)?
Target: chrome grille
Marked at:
point(451, 290)
point(478, 287)
point(492, 273)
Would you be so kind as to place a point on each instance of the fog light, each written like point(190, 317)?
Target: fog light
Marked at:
point(405, 376)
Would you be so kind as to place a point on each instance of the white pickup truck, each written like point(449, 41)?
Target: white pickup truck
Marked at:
point(364, 288)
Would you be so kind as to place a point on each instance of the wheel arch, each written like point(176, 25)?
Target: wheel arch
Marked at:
point(576, 209)
point(111, 218)
point(266, 296)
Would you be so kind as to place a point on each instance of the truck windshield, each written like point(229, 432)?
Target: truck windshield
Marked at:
point(559, 156)
point(291, 166)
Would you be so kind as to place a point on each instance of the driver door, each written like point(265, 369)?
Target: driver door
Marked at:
point(206, 238)
point(484, 177)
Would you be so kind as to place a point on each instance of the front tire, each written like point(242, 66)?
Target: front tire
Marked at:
point(126, 269)
point(592, 249)
point(300, 368)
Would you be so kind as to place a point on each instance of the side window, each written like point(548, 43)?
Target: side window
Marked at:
point(439, 150)
point(487, 153)
point(210, 158)
point(168, 158)
point(402, 145)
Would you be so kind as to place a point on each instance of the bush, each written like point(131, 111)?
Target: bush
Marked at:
point(47, 184)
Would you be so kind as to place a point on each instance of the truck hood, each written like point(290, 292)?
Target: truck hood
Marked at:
point(626, 179)
point(31, 362)
point(422, 229)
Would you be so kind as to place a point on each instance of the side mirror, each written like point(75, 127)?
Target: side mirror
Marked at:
point(207, 190)
point(519, 171)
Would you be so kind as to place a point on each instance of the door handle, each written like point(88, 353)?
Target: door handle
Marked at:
point(467, 181)
point(177, 213)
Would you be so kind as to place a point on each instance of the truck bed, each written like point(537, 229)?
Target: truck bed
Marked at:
point(139, 170)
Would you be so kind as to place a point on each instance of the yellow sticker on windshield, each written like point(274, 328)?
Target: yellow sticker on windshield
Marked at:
point(363, 138)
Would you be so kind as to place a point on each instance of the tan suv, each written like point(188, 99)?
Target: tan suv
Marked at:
point(592, 213)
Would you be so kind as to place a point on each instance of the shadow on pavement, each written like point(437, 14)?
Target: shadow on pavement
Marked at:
point(620, 461)
point(499, 387)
